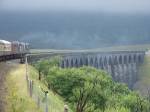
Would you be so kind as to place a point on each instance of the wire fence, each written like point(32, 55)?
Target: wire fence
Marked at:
point(43, 99)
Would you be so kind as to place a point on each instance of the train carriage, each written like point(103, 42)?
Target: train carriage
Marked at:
point(5, 47)
point(15, 47)
point(13, 50)
point(22, 47)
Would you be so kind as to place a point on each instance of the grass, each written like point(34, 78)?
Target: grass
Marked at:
point(18, 99)
point(143, 85)
point(55, 102)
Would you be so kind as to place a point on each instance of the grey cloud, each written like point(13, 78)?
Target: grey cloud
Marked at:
point(87, 5)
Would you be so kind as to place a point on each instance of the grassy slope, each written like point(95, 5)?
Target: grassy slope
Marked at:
point(18, 99)
point(144, 76)
point(56, 103)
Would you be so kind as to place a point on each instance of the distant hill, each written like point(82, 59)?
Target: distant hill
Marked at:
point(75, 30)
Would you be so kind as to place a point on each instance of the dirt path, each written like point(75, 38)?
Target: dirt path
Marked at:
point(4, 69)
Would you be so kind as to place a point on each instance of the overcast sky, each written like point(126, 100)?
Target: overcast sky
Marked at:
point(131, 6)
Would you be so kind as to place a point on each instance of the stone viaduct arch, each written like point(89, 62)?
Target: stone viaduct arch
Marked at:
point(121, 65)
point(108, 59)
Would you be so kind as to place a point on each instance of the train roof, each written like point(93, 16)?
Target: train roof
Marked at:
point(5, 42)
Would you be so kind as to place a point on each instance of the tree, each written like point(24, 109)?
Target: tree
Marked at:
point(83, 95)
point(43, 66)
point(79, 86)
point(90, 90)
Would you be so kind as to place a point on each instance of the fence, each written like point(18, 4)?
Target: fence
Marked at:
point(43, 99)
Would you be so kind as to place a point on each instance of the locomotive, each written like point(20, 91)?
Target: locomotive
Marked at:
point(15, 47)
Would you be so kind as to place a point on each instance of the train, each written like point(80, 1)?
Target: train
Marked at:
point(15, 47)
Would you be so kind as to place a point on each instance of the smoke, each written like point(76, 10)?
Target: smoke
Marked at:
point(63, 39)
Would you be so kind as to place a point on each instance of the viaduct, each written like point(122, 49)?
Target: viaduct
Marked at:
point(121, 65)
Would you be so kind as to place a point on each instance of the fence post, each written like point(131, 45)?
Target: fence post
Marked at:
point(65, 108)
point(38, 102)
point(31, 88)
point(46, 110)
point(28, 85)
point(26, 63)
point(38, 98)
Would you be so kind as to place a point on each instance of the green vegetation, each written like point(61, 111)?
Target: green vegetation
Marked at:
point(87, 89)
point(18, 99)
point(143, 85)
point(55, 102)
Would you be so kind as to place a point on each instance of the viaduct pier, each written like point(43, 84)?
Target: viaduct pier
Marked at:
point(121, 65)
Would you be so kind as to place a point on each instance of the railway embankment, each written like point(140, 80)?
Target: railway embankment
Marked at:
point(15, 91)
point(17, 98)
